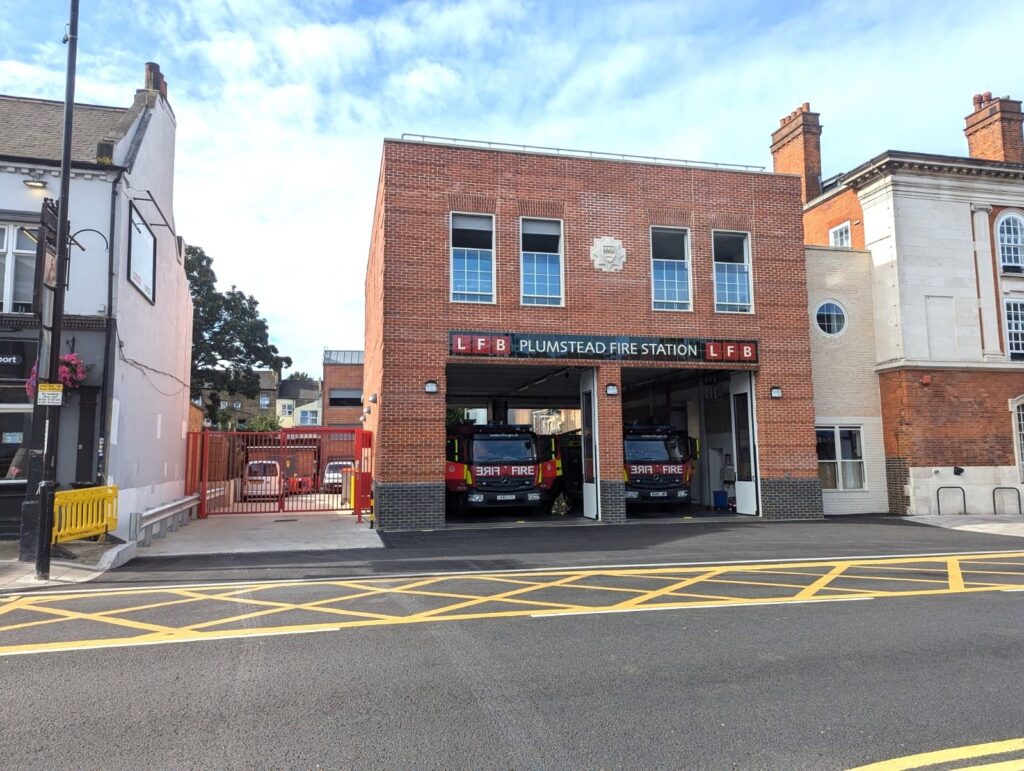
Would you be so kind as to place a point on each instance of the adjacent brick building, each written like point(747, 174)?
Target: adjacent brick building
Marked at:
point(946, 275)
point(507, 278)
point(343, 388)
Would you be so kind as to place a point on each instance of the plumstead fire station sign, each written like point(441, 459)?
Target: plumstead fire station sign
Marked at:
point(614, 347)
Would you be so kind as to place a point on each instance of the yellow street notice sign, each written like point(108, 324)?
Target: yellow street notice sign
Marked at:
point(50, 394)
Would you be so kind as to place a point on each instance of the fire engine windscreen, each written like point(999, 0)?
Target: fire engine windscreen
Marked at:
point(652, 449)
point(493, 450)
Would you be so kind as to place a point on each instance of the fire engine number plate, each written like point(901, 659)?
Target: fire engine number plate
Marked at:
point(506, 497)
point(658, 494)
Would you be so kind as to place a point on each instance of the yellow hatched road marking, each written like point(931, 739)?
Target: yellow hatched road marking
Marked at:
point(822, 582)
point(471, 590)
point(938, 757)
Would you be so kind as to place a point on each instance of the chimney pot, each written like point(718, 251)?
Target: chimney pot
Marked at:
point(796, 149)
point(995, 130)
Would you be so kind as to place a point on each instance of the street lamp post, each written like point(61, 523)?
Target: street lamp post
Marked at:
point(37, 511)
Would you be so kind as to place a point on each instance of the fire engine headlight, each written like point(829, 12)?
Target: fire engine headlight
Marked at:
point(632, 494)
point(684, 493)
point(533, 496)
point(476, 498)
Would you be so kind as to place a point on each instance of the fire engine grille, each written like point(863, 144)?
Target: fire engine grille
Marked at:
point(505, 484)
point(657, 481)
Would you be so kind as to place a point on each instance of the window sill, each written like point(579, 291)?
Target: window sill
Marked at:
point(831, 491)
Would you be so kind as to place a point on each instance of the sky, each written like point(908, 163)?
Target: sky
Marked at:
point(282, 105)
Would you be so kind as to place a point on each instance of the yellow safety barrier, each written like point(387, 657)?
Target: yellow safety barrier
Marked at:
point(82, 513)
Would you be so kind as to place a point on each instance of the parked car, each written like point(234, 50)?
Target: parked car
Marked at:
point(262, 479)
point(336, 475)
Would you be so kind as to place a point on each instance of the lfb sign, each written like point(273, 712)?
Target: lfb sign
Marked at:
point(481, 345)
point(716, 350)
point(534, 345)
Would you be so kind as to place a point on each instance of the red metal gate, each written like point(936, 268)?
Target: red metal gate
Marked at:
point(294, 469)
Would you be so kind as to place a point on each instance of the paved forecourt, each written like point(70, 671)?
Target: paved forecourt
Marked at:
point(114, 617)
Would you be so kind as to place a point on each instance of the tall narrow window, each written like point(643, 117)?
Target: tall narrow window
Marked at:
point(541, 262)
point(670, 269)
point(732, 272)
point(1011, 243)
point(840, 457)
point(840, 236)
point(1019, 415)
point(472, 258)
point(1015, 329)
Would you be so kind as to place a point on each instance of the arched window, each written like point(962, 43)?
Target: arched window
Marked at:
point(1011, 243)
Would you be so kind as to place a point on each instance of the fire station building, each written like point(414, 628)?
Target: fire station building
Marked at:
point(513, 281)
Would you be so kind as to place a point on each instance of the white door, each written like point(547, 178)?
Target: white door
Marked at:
point(744, 452)
point(591, 472)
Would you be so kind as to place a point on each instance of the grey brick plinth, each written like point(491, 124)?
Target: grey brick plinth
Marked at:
point(408, 505)
point(613, 501)
point(791, 499)
point(897, 476)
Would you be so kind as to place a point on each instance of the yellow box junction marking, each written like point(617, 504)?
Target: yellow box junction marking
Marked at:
point(34, 623)
point(950, 756)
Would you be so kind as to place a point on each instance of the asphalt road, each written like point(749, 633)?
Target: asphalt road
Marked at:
point(817, 686)
point(790, 686)
point(540, 547)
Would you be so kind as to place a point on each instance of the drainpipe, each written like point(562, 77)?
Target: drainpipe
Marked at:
point(106, 393)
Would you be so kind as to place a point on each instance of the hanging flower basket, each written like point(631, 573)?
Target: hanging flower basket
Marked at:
point(71, 373)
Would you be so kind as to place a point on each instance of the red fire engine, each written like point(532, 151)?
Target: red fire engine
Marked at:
point(659, 464)
point(496, 465)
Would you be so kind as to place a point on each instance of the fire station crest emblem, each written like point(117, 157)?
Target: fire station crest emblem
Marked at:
point(607, 254)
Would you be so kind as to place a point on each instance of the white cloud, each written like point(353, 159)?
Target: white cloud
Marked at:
point(282, 104)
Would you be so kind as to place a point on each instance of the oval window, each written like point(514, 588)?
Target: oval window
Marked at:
point(831, 317)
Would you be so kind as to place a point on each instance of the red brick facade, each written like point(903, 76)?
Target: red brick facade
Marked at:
point(341, 376)
point(831, 212)
point(408, 313)
point(935, 417)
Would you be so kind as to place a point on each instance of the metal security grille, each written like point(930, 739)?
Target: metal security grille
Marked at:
point(291, 470)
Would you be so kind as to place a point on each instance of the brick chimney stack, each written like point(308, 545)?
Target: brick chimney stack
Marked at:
point(155, 79)
point(796, 149)
point(995, 130)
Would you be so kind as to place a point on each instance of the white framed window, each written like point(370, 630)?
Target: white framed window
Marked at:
point(17, 267)
point(1014, 313)
point(1010, 237)
point(264, 401)
point(840, 236)
point(830, 318)
point(223, 405)
point(670, 269)
point(309, 417)
point(237, 405)
point(731, 253)
point(541, 262)
point(287, 409)
point(840, 457)
point(472, 258)
point(1017, 413)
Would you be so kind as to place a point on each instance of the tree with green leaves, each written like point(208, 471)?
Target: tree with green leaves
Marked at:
point(229, 337)
point(263, 423)
point(299, 376)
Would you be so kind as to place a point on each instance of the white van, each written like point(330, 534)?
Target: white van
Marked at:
point(262, 479)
